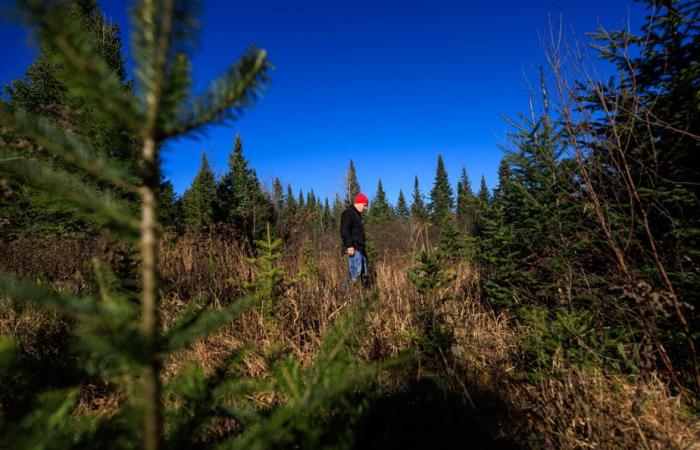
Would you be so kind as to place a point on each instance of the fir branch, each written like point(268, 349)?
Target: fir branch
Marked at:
point(67, 146)
point(201, 323)
point(226, 97)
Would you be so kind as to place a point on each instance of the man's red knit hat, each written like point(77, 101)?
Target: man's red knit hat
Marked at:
point(361, 198)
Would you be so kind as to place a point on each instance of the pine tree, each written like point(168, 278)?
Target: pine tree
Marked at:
point(484, 195)
point(352, 186)
point(267, 284)
point(277, 198)
point(419, 212)
point(451, 243)
point(441, 199)
point(338, 208)
point(197, 203)
point(167, 204)
point(402, 210)
point(46, 90)
point(466, 204)
point(240, 198)
point(380, 212)
point(327, 215)
point(290, 204)
point(300, 203)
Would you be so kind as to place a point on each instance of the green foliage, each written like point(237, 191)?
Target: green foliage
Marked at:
point(436, 331)
point(467, 212)
point(380, 212)
point(267, 283)
point(598, 202)
point(240, 200)
point(197, 202)
point(402, 211)
point(419, 212)
point(572, 336)
point(71, 115)
point(441, 198)
point(484, 195)
point(451, 242)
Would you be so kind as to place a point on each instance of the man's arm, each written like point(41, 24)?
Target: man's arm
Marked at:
point(345, 229)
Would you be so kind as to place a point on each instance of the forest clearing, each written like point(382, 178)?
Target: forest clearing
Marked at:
point(556, 309)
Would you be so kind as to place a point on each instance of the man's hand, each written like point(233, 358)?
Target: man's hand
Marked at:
point(351, 251)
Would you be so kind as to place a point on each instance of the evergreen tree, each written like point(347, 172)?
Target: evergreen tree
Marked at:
point(47, 90)
point(402, 210)
point(277, 198)
point(338, 208)
point(380, 212)
point(466, 203)
point(327, 215)
point(352, 186)
point(441, 198)
point(504, 188)
point(300, 203)
point(484, 195)
point(197, 203)
point(419, 212)
point(451, 243)
point(240, 198)
point(311, 201)
point(167, 204)
point(290, 204)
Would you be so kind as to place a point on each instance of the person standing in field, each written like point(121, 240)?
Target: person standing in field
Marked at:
point(352, 233)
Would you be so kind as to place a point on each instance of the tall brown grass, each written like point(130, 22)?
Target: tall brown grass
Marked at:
point(580, 409)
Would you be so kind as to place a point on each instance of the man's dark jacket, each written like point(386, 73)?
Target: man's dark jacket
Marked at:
point(352, 231)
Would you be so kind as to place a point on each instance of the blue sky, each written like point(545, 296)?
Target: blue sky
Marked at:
point(389, 84)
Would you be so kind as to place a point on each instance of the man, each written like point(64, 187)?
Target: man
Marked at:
point(352, 233)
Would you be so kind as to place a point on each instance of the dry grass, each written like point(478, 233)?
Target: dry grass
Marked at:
point(581, 410)
point(590, 409)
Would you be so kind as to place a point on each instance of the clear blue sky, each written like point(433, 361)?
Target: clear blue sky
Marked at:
point(389, 84)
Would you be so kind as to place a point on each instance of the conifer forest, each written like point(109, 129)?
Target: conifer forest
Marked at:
point(559, 309)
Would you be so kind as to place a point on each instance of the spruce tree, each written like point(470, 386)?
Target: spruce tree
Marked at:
point(419, 212)
point(352, 186)
point(441, 198)
point(466, 203)
point(402, 210)
point(240, 198)
point(338, 208)
point(380, 212)
point(197, 202)
point(47, 90)
point(300, 203)
point(290, 204)
point(484, 195)
point(327, 215)
point(167, 204)
point(451, 243)
point(277, 197)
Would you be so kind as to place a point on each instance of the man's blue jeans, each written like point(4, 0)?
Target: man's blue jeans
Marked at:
point(358, 265)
